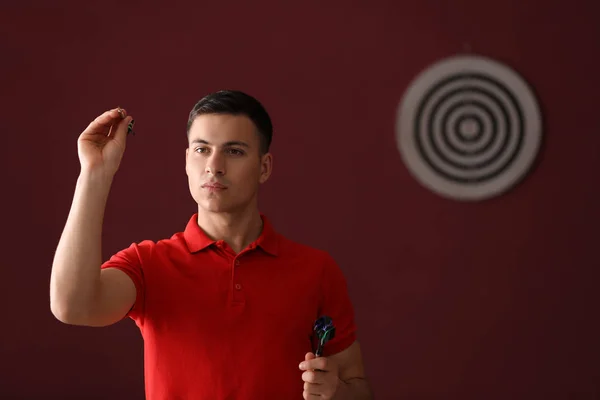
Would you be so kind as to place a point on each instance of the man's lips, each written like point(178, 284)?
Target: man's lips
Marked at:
point(214, 185)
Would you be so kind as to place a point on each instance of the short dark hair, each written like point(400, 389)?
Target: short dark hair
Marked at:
point(235, 102)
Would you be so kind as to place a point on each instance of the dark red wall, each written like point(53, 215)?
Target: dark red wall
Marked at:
point(490, 300)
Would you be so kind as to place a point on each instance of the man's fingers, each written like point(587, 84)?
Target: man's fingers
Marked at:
point(119, 131)
point(106, 120)
point(311, 393)
point(114, 124)
point(319, 363)
point(313, 377)
point(313, 388)
point(317, 391)
point(318, 376)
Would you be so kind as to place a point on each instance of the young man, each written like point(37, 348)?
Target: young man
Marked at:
point(226, 307)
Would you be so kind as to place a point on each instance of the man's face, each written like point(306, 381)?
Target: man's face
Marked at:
point(223, 162)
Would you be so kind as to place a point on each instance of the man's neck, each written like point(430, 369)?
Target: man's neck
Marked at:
point(238, 230)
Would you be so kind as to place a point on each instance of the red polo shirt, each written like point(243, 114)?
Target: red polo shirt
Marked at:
point(219, 325)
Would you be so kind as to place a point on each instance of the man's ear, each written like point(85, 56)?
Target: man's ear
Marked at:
point(266, 167)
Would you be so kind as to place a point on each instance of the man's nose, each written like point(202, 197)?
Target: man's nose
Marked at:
point(215, 165)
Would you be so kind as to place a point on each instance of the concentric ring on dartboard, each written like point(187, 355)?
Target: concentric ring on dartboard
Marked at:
point(468, 127)
point(497, 154)
point(481, 147)
point(477, 143)
point(473, 128)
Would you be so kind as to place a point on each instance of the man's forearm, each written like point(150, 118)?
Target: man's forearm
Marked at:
point(76, 266)
point(353, 389)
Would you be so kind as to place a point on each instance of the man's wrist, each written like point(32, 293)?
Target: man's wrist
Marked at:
point(95, 177)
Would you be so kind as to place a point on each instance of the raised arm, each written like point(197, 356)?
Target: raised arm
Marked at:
point(80, 293)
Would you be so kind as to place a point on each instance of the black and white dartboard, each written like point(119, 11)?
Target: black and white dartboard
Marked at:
point(468, 128)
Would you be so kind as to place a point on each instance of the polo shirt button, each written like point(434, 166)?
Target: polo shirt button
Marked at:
point(238, 286)
point(237, 262)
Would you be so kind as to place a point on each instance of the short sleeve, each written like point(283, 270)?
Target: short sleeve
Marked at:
point(336, 303)
point(130, 262)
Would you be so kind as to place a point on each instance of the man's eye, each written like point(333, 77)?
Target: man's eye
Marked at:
point(236, 152)
point(200, 149)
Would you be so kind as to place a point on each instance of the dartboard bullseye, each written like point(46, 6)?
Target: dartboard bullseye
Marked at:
point(468, 128)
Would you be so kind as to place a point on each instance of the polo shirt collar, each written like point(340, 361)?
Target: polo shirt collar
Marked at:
point(197, 240)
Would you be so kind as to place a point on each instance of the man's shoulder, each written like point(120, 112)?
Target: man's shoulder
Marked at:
point(175, 242)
